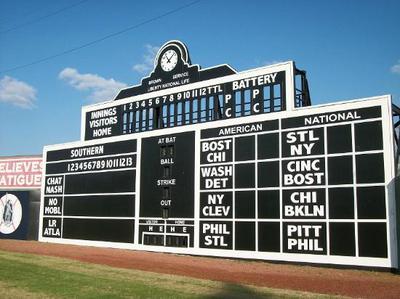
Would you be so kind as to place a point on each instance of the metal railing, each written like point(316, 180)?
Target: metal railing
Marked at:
point(396, 134)
point(302, 91)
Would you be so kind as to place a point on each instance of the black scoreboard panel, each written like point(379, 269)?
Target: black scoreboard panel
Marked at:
point(167, 190)
point(306, 185)
point(309, 186)
point(89, 192)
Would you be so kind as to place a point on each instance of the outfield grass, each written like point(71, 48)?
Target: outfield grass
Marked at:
point(34, 276)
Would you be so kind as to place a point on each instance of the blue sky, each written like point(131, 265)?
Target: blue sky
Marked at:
point(350, 49)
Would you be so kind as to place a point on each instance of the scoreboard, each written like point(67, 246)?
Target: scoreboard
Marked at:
point(310, 184)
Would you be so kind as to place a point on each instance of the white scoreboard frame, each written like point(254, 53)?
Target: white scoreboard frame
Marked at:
point(388, 150)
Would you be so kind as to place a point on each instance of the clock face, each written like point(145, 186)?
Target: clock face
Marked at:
point(169, 60)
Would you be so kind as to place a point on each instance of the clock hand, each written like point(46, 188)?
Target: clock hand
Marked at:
point(169, 59)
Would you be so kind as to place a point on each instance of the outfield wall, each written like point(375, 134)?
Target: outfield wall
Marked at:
point(313, 185)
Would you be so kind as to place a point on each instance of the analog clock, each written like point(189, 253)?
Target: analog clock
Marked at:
point(169, 60)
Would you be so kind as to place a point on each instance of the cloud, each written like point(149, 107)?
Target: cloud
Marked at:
point(263, 63)
point(99, 88)
point(271, 62)
point(147, 64)
point(396, 68)
point(17, 93)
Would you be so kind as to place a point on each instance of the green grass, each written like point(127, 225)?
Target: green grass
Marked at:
point(34, 276)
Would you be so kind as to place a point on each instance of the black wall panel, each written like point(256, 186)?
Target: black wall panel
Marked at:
point(244, 148)
point(100, 206)
point(368, 136)
point(268, 174)
point(371, 202)
point(372, 239)
point(342, 239)
point(269, 236)
point(341, 203)
point(268, 146)
point(103, 182)
point(181, 163)
point(245, 175)
point(339, 139)
point(245, 204)
point(99, 229)
point(245, 236)
point(268, 204)
point(370, 168)
point(340, 170)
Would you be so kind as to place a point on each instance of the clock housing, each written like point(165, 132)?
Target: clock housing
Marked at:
point(173, 68)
